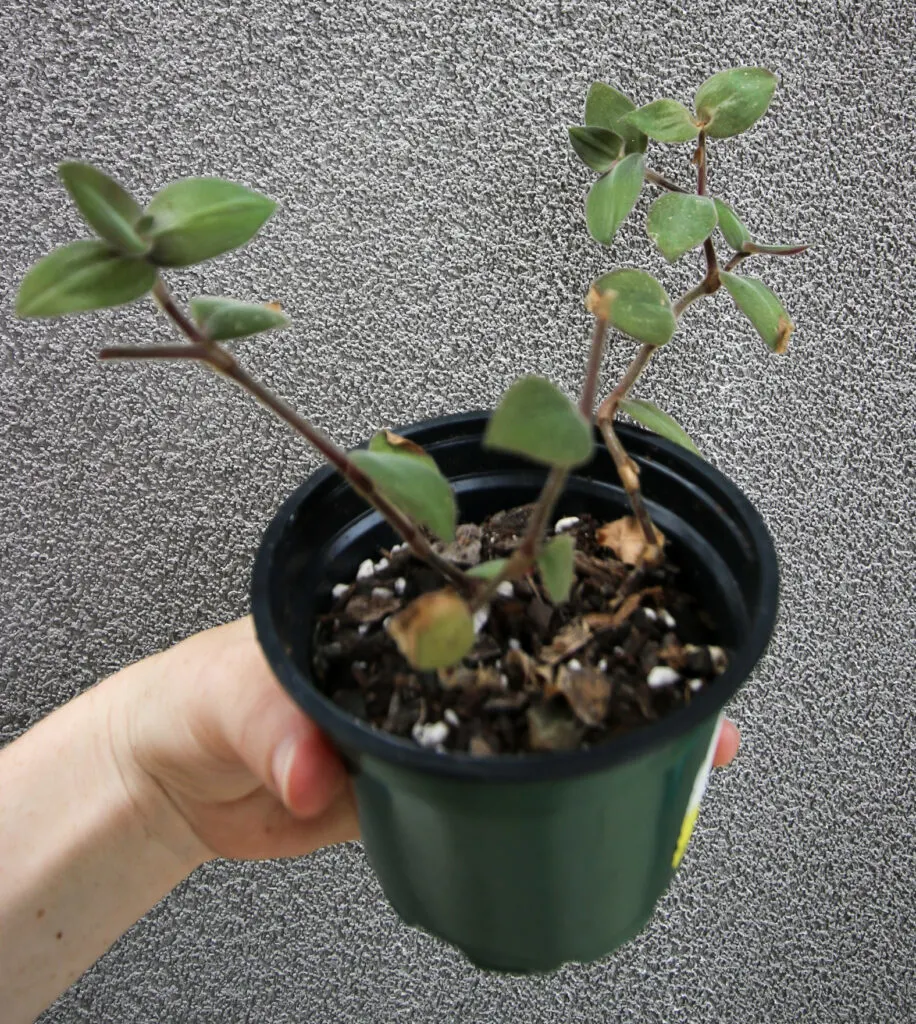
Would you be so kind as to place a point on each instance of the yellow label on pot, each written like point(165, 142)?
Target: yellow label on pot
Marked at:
point(696, 795)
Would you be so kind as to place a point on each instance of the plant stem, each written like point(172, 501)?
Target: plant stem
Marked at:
point(224, 363)
point(590, 386)
point(709, 249)
point(627, 469)
point(662, 182)
point(739, 257)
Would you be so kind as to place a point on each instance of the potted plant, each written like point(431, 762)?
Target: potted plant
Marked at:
point(529, 700)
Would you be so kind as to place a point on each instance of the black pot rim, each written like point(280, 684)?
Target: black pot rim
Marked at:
point(358, 736)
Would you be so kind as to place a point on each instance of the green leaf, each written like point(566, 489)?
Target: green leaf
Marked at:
point(390, 443)
point(612, 197)
point(739, 238)
point(434, 631)
point(488, 570)
point(678, 223)
point(596, 147)
point(110, 211)
point(537, 420)
point(762, 308)
point(415, 487)
point(635, 303)
point(665, 121)
point(649, 415)
point(731, 101)
point(736, 234)
point(792, 249)
point(82, 276)
point(605, 107)
point(199, 218)
point(221, 319)
point(556, 562)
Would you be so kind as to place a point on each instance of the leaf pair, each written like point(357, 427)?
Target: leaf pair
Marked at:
point(726, 104)
point(555, 561)
point(187, 222)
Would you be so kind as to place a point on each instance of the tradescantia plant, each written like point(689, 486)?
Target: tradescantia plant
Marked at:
point(613, 142)
point(196, 219)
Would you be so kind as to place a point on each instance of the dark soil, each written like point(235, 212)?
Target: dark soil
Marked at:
point(628, 647)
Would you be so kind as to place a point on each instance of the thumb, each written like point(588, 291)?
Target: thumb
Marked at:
point(262, 727)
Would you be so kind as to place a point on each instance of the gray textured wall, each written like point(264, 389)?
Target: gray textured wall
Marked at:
point(431, 246)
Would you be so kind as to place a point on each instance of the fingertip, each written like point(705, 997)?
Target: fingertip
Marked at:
point(314, 776)
point(727, 747)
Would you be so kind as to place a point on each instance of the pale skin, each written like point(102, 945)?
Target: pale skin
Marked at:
point(109, 802)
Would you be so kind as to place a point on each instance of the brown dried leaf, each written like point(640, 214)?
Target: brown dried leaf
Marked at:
point(403, 444)
point(552, 728)
point(630, 604)
point(464, 550)
point(460, 677)
point(569, 640)
point(479, 747)
point(524, 671)
point(626, 539)
point(371, 608)
point(598, 569)
point(587, 690)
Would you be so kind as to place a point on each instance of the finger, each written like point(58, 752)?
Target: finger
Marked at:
point(727, 747)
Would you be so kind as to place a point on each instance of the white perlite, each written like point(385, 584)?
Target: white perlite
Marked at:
point(514, 645)
point(365, 570)
point(667, 618)
point(400, 585)
point(661, 675)
point(451, 716)
point(505, 589)
point(565, 524)
point(575, 665)
point(719, 660)
point(431, 734)
point(695, 684)
point(382, 563)
point(381, 592)
point(649, 614)
point(480, 618)
point(339, 589)
point(362, 628)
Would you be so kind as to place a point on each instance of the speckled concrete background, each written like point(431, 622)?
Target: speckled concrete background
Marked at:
point(431, 247)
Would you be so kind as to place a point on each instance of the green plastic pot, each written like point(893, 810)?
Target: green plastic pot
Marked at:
point(525, 862)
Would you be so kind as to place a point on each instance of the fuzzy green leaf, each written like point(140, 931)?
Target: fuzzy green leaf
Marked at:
point(736, 234)
point(415, 487)
point(649, 415)
point(596, 147)
point(678, 223)
point(731, 101)
point(556, 562)
point(221, 319)
point(199, 218)
point(762, 308)
point(434, 631)
point(605, 107)
point(793, 249)
point(664, 121)
point(488, 570)
point(389, 443)
point(537, 420)
point(612, 197)
point(635, 303)
point(81, 276)
point(106, 207)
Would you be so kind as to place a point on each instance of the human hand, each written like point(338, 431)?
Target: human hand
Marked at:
point(206, 729)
